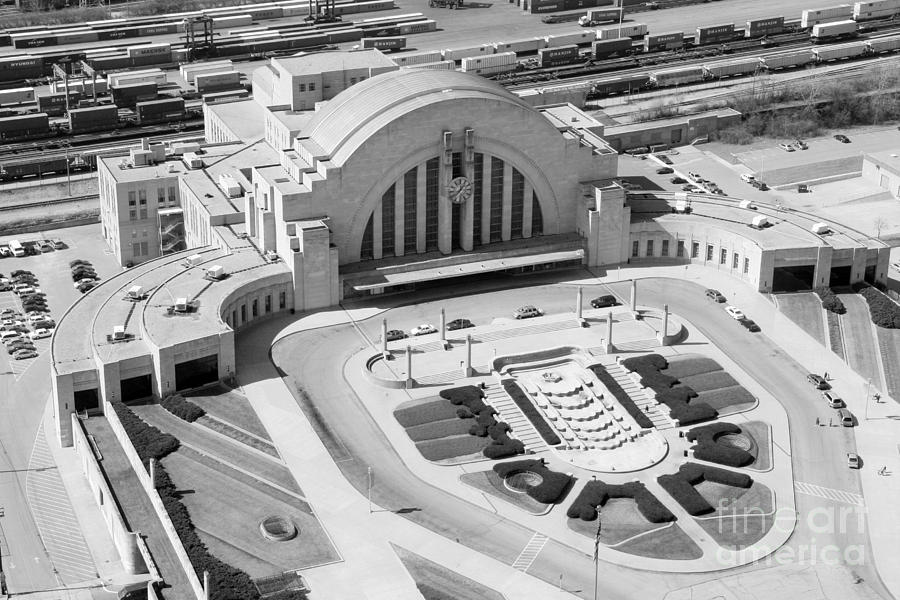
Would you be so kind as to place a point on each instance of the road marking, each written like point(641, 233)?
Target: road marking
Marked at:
point(829, 493)
point(534, 546)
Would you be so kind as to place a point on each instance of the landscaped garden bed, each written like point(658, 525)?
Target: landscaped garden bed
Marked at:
point(680, 400)
point(884, 311)
point(491, 483)
point(714, 387)
point(704, 382)
point(728, 401)
point(622, 396)
point(620, 520)
point(742, 516)
point(690, 364)
point(830, 301)
point(682, 485)
point(596, 493)
point(722, 443)
point(461, 447)
point(531, 412)
point(421, 412)
point(182, 408)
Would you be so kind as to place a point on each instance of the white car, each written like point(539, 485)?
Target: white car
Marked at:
point(786, 147)
point(896, 265)
point(747, 177)
point(41, 333)
point(734, 312)
point(424, 329)
point(85, 280)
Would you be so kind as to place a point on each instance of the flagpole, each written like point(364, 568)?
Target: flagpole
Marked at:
point(597, 554)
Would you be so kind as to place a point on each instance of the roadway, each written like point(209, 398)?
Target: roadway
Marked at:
point(356, 441)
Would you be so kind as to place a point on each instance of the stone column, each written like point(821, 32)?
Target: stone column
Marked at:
point(609, 333)
point(665, 326)
point(506, 230)
point(421, 195)
point(486, 200)
point(377, 230)
point(469, 370)
point(445, 210)
point(579, 300)
point(634, 295)
point(384, 350)
point(443, 329)
point(399, 216)
point(410, 383)
point(468, 208)
point(528, 212)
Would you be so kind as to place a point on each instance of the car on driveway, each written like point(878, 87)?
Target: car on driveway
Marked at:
point(801, 145)
point(842, 138)
point(604, 301)
point(677, 180)
point(395, 334)
point(58, 244)
point(748, 178)
point(833, 400)
point(853, 461)
point(79, 261)
point(85, 280)
point(818, 381)
point(84, 288)
point(734, 312)
point(750, 325)
point(23, 354)
point(41, 333)
point(663, 158)
point(760, 185)
point(423, 329)
point(715, 295)
point(459, 324)
point(665, 170)
point(786, 147)
point(527, 312)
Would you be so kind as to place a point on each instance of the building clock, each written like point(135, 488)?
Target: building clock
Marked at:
point(459, 190)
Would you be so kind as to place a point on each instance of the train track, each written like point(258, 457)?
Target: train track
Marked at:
point(44, 203)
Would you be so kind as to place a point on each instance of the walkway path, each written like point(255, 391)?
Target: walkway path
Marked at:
point(653, 409)
point(859, 339)
point(511, 414)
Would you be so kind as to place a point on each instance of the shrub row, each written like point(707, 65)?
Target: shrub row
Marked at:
point(680, 485)
point(227, 583)
point(182, 408)
point(830, 301)
point(622, 397)
point(708, 448)
point(885, 312)
point(596, 493)
point(677, 398)
point(149, 441)
point(470, 397)
point(530, 410)
point(550, 490)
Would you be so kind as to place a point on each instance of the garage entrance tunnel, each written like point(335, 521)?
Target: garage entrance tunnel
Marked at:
point(793, 279)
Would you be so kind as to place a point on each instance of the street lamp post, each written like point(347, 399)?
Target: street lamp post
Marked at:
point(868, 386)
point(369, 487)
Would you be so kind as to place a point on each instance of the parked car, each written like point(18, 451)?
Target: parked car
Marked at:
point(85, 280)
point(833, 400)
point(459, 324)
point(18, 272)
point(663, 159)
point(84, 288)
point(18, 345)
point(423, 329)
point(715, 295)
point(527, 312)
point(734, 312)
point(786, 147)
point(8, 312)
point(750, 324)
point(748, 178)
point(694, 176)
point(5, 287)
point(665, 170)
point(79, 261)
point(23, 354)
point(677, 180)
point(842, 138)
point(760, 185)
point(818, 381)
point(801, 145)
point(845, 417)
point(853, 461)
point(44, 324)
point(58, 244)
point(83, 273)
point(604, 301)
point(41, 333)
point(46, 246)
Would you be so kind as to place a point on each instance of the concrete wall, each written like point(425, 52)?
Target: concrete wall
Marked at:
point(126, 542)
point(670, 132)
point(887, 179)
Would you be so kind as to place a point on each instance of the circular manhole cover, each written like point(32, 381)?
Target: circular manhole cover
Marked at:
point(278, 528)
point(736, 440)
point(520, 481)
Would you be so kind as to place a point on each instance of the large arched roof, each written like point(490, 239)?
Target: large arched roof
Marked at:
point(377, 101)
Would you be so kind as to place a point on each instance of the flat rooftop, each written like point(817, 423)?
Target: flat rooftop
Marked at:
point(612, 130)
point(246, 119)
point(321, 62)
point(567, 115)
point(888, 159)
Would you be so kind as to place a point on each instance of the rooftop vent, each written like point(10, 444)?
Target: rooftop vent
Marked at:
point(194, 259)
point(760, 222)
point(216, 272)
point(820, 228)
point(118, 332)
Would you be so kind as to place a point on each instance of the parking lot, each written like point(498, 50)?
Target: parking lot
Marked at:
point(53, 278)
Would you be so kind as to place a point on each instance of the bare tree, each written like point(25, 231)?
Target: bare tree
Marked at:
point(879, 224)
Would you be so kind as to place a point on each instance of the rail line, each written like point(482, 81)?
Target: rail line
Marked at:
point(42, 203)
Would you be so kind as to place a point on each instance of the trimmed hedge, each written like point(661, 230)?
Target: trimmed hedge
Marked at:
point(830, 301)
point(884, 311)
point(680, 485)
point(550, 491)
point(470, 397)
point(622, 397)
point(530, 410)
point(678, 399)
point(181, 408)
point(149, 441)
point(597, 493)
point(707, 446)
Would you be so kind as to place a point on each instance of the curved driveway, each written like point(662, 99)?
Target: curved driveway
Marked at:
point(356, 441)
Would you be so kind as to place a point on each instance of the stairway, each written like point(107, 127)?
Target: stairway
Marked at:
point(509, 413)
point(657, 413)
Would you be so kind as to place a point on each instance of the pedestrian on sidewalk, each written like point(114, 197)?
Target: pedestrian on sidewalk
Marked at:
point(826, 375)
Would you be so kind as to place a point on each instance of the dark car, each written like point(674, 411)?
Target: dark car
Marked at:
point(29, 279)
point(77, 262)
point(86, 287)
point(818, 381)
point(715, 295)
point(760, 185)
point(677, 180)
point(19, 272)
point(750, 325)
point(663, 159)
point(604, 301)
point(83, 274)
point(459, 324)
point(49, 324)
point(842, 138)
point(665, 170)
point(395, 334)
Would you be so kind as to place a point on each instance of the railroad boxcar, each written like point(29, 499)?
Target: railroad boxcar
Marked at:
point(714, 34)
point(602, 49)
point(458, 54)
point(521, 46)
point(225, 96)
point(786, 60)
point(731, 68)
point(29, 167)
point(17, 68)
point(16, 96)
point(95, 118)
point(417, 27)
point(389, 44)
point(885, 44)
point(216, 82)
point(558, 57)
point(129, 94)
point(119, 33)
point(814, 16)
point(671, 40)
point(24, 126)
point(828, 32)
point(75, 36)
point(418, 58)
point(160, 111)
point(763, 27)
point(879, 9)
point(55, 104)
point(626, 30)
point(573, 37)
point(337, 36)
point(829, 53)
point(677, 76)
point(492, 64)
point(622, 84)
point(33, 41)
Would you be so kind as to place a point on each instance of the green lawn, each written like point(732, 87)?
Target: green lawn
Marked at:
point(490, 483)
point(437, 582)
point(238, 435)
point(705, 382)
point(742, 516)
point(727, 400)
point(419, 413)
point(806, 311)
point(690, 364)
point(454, 447)
point(439, 429)
point(619, 520)
point(762, 447)
point(671, 543)
point(230, 406)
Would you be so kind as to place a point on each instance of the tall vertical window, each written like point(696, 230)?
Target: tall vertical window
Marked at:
point(735, 261)
point(456, 161)
point(709, 252)
point(635, 248)
point(695, 249)
point(282, 299)
point(432, 171)
point(268, 303)
point(387, 222)
point(649, 247)
point(409, 210)
point(142, 197)
point(172, 194)
point(537, 218)
point(254, 308)
point(665, 248)
point(477, 197)
point(723, 256)
point(680, 250)
point(365, 250)
point(518, 204)
point(746, 265)
point(161, 195)
point(496, 199)
point(243, 313)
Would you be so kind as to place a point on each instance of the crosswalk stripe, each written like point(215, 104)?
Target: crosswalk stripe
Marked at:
point(811, 489)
